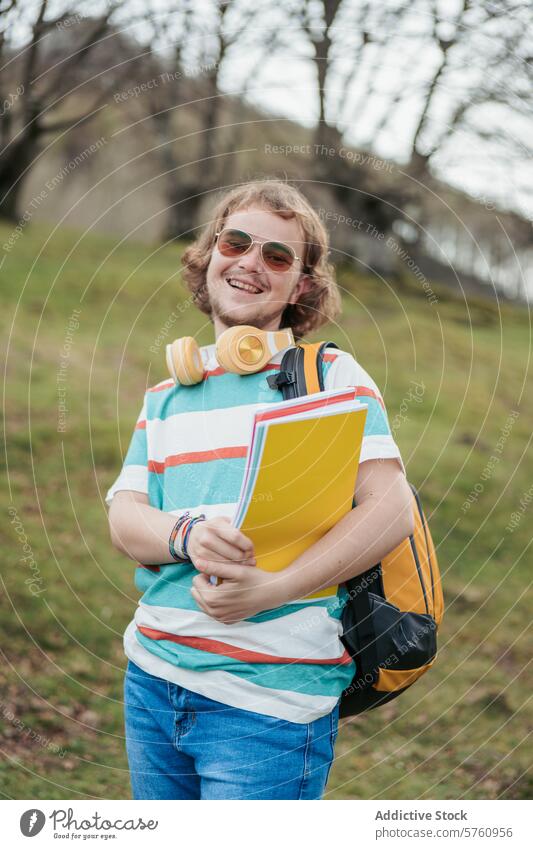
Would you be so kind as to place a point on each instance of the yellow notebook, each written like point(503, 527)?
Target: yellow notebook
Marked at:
point(301, 475)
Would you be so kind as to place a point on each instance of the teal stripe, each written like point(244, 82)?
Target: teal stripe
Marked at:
point(310, 679)
point(221, 392)
point(326, 365)
point(173, 590)
point(376, 418)
point(333, 605)
point(211, 482)
point(144, 579)
point(137, 454)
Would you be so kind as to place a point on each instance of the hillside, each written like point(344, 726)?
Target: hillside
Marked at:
point(85, 318)
point(138, 169)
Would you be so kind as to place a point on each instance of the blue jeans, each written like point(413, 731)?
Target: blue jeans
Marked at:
point(182, 745)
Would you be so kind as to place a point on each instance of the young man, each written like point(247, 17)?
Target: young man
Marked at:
point(231, 691)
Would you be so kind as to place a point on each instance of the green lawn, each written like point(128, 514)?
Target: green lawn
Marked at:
point(458, 733)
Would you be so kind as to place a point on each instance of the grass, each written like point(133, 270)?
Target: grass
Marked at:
point(460, 732)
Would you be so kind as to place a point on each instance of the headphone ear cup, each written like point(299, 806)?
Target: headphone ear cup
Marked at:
point(242, 349)
point(184, 361)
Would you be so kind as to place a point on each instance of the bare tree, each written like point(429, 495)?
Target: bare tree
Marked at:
point(341, 34)
point(47, 73)
point(317, 20)
point(425, 75)
point(202, 40)
point(466, 60)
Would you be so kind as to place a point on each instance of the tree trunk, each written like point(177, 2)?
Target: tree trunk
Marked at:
point(209, 145)
point(184, 201)
point(14, 170)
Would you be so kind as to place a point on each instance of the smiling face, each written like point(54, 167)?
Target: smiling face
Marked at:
point(243, 290)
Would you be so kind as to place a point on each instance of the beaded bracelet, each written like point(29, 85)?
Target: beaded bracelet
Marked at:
point(181, 536)
point(200, 518)
point(179, 554)
point(180, 533)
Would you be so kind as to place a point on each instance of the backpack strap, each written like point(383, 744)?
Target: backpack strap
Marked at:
point(301, 370)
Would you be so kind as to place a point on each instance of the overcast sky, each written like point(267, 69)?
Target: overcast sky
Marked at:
point(285, 85)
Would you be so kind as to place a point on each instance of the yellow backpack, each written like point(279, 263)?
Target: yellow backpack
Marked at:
point(394, 609)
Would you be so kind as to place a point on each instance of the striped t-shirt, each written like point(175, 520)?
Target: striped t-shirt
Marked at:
point(188, 452)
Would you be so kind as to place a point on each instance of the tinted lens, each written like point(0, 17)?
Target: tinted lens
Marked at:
point(277, 256)
point(233, 242)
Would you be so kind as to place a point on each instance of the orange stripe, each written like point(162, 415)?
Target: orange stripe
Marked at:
point(218, 647)
point(308, 405)
point(161, 387)
point(197, 457)
point(369, 393)
point(151, 568)
point(141, 425)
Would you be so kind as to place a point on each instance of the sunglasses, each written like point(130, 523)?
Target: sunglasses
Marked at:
point(276, 255)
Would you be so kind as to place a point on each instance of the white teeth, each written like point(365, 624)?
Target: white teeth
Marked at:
point(247, 287)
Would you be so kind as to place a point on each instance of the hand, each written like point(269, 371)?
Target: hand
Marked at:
point(244, 592)
point(216, 541)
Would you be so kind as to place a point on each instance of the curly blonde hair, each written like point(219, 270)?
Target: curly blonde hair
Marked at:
point(322, 303)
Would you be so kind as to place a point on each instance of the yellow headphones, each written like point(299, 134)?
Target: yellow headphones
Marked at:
point(241, 350)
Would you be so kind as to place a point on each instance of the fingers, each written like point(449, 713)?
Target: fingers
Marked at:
point(224, 551)
point(213, 600)
point(220, 569)
point(208, 547)
point(200, 586)
point(216, 540)
point(232, 535)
